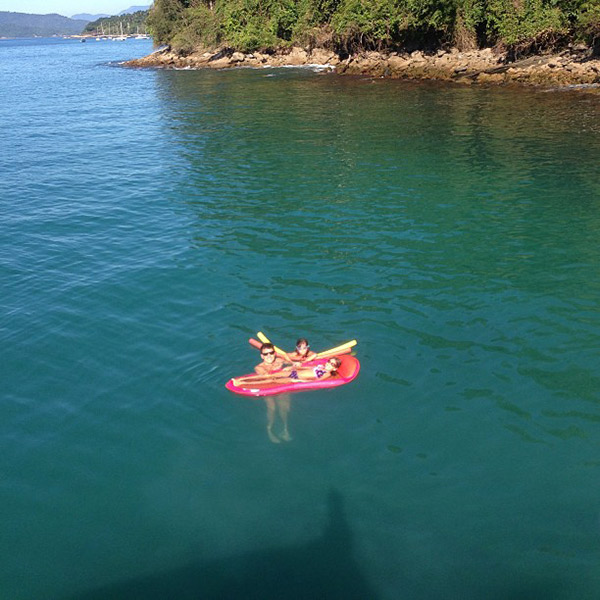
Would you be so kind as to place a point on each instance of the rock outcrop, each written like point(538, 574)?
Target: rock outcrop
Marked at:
point(569, 68)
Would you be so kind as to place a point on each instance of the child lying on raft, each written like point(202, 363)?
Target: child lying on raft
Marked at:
point(294, 374)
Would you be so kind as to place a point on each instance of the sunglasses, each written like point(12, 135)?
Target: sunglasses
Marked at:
point(267, 353)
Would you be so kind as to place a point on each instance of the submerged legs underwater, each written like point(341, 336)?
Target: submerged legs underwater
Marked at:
point(278, 405)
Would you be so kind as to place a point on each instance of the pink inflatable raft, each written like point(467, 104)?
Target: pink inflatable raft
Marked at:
point(346, 373)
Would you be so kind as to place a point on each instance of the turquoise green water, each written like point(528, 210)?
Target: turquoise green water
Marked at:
point(154, 221)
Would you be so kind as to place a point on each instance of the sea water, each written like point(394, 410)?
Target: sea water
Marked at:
point(154, 220)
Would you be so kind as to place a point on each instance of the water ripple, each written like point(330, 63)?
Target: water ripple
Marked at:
point(154, 221)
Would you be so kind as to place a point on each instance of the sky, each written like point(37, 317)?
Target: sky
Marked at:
point(68, 8)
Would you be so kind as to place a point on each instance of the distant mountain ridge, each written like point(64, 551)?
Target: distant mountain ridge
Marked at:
point(88, 17)
point(13, 24)
point(127, 11)
point(134, 9)
point(17, 25)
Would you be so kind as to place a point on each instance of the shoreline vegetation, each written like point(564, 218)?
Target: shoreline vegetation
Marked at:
point(549, 43)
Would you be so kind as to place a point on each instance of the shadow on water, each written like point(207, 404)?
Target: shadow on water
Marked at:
point(323, 568)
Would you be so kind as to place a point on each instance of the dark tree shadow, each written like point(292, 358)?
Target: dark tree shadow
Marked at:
point(323, 568)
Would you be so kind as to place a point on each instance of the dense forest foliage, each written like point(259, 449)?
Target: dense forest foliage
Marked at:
point(350, 25)
point(132, 23)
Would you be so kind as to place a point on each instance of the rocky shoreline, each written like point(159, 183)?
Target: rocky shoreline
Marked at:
point(574, 67)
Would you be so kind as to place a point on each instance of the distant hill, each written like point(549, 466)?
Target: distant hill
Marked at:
point(88, 17)
point(128, 23)
point(23, 25)
point(134, 9)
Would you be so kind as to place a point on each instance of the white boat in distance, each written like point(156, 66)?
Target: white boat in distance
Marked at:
point(122, 37)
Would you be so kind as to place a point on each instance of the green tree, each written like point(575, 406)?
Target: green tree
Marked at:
point(369, 24)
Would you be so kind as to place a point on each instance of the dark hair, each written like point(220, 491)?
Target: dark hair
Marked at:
point(302, 341)
point(338, 363)
point(267, 346)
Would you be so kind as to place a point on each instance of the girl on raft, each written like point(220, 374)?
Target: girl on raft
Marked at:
point(302, 353)
point(292, 375)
